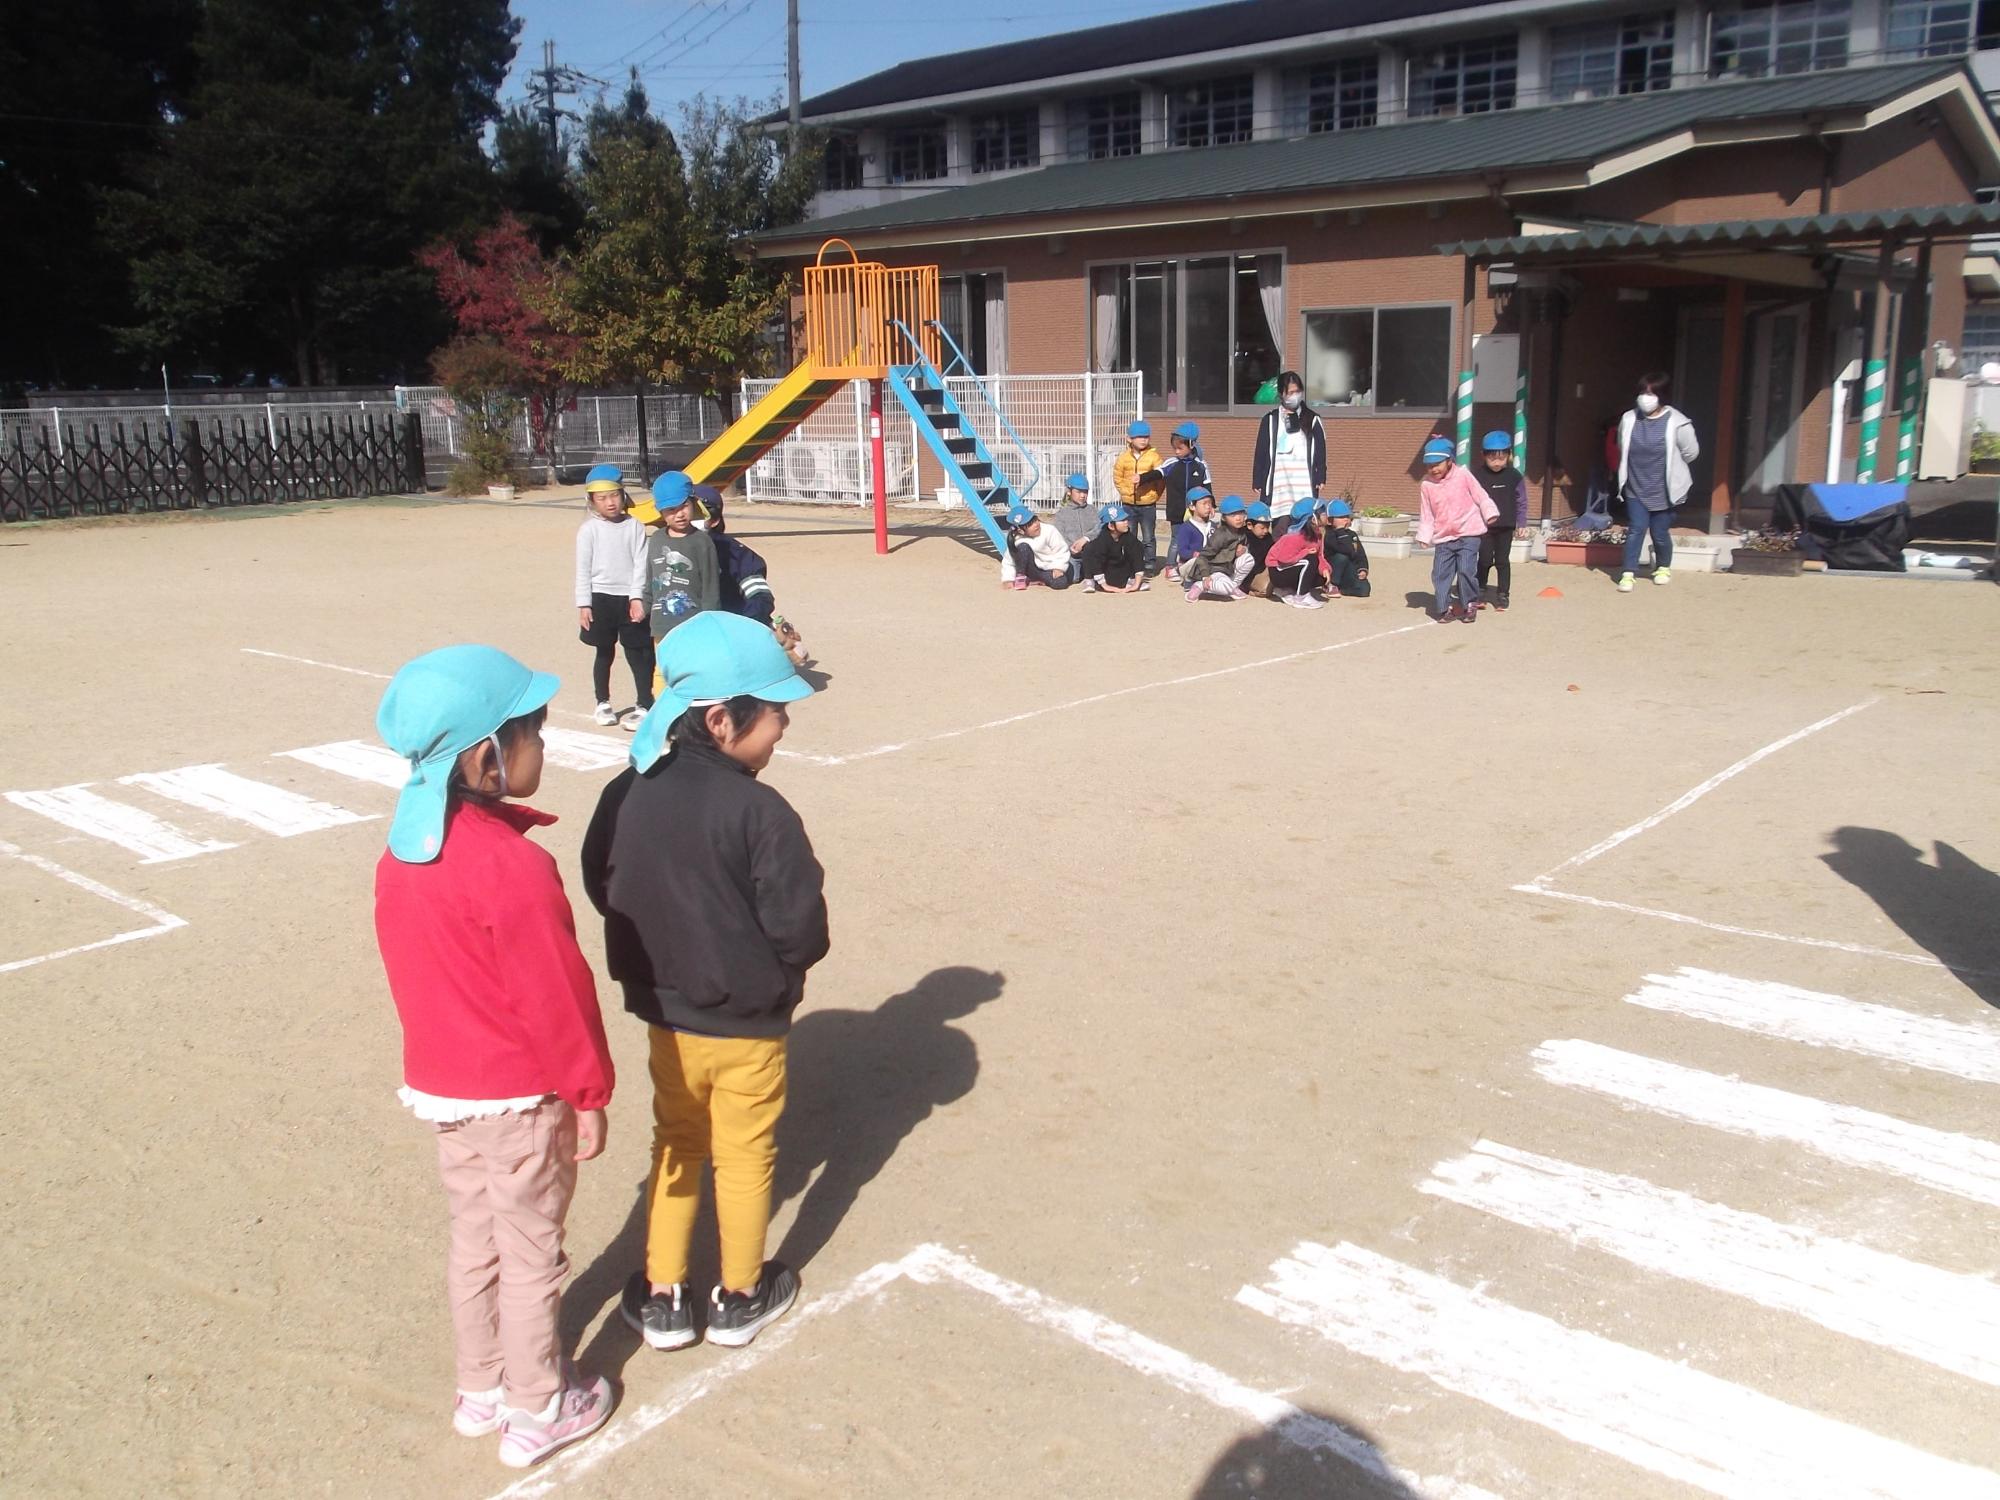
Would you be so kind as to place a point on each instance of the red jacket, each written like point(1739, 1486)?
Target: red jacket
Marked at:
point(480, 947)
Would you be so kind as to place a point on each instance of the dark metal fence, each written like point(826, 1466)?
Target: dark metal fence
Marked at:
point(92, 469)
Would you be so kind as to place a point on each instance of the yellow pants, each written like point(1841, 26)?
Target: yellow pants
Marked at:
point(714, 1097)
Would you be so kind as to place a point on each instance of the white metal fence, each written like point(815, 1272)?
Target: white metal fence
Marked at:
point(1054, 425)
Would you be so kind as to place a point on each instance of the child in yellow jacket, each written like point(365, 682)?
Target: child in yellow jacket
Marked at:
point(1139, 457)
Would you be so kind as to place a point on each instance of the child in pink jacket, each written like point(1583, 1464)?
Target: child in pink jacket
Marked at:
point(1453, 515)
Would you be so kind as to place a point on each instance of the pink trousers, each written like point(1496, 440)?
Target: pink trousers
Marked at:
point(508, 1181)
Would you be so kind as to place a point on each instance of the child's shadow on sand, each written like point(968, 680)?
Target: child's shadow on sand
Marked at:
point(860, 1081)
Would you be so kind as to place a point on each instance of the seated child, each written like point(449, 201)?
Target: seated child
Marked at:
point(1075, 518)
point(745, 584)
point(1192, 531)
point(1260, 538)
point(1225, 559)
point(1114, 561)
point(1296, 560)
point(1346, 558)
point(1036, 552)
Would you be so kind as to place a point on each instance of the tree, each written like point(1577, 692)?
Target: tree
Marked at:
point(322, 146)
point(501, 292)
point(533, 179)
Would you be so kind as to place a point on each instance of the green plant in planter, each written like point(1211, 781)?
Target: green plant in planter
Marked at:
point(1611, 536)
point(1773, 541)
point(1985, 447)
point(1381, 512)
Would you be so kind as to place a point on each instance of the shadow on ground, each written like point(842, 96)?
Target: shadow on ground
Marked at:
point(1951, 908)
point(1296, 1459)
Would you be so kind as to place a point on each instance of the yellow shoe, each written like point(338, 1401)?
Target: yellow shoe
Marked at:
point(1624, 583)
point(1662, 575)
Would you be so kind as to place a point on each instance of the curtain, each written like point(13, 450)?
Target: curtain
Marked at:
point(1271, 290)
point(996, 324)
point(1104, 322)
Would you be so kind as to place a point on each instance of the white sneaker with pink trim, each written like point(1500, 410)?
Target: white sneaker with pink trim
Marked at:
point(476, 1413)
point(576, 1411)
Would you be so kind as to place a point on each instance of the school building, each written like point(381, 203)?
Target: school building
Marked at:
point(1760, 199)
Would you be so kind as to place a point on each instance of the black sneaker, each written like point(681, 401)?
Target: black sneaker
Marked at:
point(735, 1318)
point(665, 1320)
point(1501, 603)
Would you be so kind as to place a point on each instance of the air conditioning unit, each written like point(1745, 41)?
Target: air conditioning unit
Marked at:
point(808, 468)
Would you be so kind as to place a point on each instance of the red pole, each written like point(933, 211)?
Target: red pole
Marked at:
point(875, 462)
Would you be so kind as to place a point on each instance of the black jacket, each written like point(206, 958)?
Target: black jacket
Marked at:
point(1112, 557)
point(1346, 541)
point(713, 903)
point(1264, 457)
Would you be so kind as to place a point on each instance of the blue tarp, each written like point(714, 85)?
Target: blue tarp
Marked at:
point(1850, 502)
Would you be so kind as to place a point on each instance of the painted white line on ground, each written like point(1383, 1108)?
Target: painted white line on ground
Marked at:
point(1942, 1159)
point(1941, 1317)
point(227, 795)
point(1688, 798)
point(153, 839)
point(930, 1264)
point(1818, 1020)
point(1694, 1427)
point(307, 661)
point(574, 750)
point(359, 759)
point(163, 921)
point(1921, 960)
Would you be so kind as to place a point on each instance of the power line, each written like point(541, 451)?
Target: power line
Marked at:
point(551, 83)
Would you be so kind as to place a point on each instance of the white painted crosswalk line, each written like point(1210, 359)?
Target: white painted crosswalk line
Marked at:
point(1943, 1159)
point(227, 795)
point(574, 750)
point(1819, 1020)
point(356, 758)
point(153, 839)
point(1941, 1317)
point(1685, 1424)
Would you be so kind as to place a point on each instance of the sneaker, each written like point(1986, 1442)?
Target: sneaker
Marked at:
point(1232, 590)
point(576, 1411)
point(1624, 583)
point(1303, 601)
point(665, 1320)
point(1144, 586)
point(606, 714)
point(1193, 592)
point(1090, 585)
point(1663, 575)
point(1018, 585)
point(1500, 602)
point(735, 1318)
point(1468, 616)
point(476, 1413)
point(629, 720)
point(1332, 592)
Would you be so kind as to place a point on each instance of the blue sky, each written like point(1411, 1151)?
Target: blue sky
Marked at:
point(729, 47)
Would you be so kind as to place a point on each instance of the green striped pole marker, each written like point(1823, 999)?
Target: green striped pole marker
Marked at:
point(1906, 420)
point(1465, 416)
point(1874, 383)
point(1521, 421)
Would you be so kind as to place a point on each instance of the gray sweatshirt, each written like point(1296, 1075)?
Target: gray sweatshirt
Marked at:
point(610, 558)
point(682, 578)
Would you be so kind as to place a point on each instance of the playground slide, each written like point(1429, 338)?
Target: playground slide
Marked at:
point(761, 428)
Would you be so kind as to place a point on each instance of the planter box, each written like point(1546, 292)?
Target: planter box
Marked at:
point(500, 492)
point(1389, 546)
point(1587, 554)
point(1383, 527)
point(1767, 564)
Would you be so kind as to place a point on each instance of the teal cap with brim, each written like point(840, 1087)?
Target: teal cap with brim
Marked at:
point(436, 708)
point(712, 658)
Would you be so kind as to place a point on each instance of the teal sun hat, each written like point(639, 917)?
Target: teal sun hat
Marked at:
point(436, 708)
point(712, 658)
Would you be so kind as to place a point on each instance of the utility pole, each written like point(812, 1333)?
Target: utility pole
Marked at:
point(792, 59)
point(550, 83)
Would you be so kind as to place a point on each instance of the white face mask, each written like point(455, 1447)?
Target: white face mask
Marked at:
point(1295, 400)
point(1647, 404)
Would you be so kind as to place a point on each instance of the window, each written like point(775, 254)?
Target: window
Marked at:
point(1982, 336)
point(1780, 36)
point(916, 155)
point(1220, 113)
point(1379, 357)
point(1104, 125)
point(1203, 329)
point(1335, 95)
point(1001, 143)
point(1463, 78)
point(972, 305)
point(841, 166)
point(1939, 28)
point(1611, 57)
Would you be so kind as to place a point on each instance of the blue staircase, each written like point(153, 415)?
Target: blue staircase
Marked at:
point(945, 427)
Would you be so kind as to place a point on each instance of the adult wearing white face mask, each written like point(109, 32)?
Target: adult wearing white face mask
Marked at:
point(1289, 463)
point(1656, 443)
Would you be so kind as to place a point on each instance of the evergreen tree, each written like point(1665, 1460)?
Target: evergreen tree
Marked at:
point(533, 179)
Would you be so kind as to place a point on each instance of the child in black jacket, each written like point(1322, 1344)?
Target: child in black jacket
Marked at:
point(1346, 558)
point(713, 912)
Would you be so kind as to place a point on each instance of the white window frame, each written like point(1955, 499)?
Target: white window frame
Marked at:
point(1194, 110)
point(908, 137)
point(1176, 380)
point(1975, 351)
point(1775, 27)
point(1331, 89)
point(994, 367)
point(1929, 28)
point(1599, 50)
point(1347, 412)
point(1077, 125)
point(1465, 60)
point(1011, 128)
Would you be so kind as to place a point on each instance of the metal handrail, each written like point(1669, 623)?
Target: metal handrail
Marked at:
point(958, 357)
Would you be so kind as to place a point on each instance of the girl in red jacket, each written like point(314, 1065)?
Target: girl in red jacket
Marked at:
point(503, 1046)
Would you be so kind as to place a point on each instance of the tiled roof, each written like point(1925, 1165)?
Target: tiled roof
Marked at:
point(1822, 229)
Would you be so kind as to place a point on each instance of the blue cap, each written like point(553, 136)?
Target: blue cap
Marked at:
point(1114, 512)
point(1198, 492)
point(1020, 515)
point(1304, 510)
point(436, 708)
point(1339, 508)
point(672, 489)
point(1139, 429)
point(605, 471)
point(1495, 442)
point(707, 500)
point(1232, 505)
point(715, 656)
point(1259, 511)
point(1078, 482)
point(1187, 432)
point(1438, 448)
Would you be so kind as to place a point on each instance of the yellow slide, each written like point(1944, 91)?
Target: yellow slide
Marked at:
point(761, 428)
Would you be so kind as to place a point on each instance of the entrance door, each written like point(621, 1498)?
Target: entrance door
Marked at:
point(1697, 391)
point(1776, 382)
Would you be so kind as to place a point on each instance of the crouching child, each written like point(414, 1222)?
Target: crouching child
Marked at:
point(1114, 561)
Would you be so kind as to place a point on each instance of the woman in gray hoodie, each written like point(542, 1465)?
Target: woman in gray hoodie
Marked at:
point(1656, 443)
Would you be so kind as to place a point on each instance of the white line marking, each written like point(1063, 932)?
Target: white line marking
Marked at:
point(1921, 960)
point(163, 921)
point(929, 1264)
point(1796, 1015)
point(1941, 1317)
point(360, 759)
point(1942, 1159)
point(1688, 798)
point(1686, 1424)
point(574, 750)
point(153, 839)
point(307, 661)
point(228, 795)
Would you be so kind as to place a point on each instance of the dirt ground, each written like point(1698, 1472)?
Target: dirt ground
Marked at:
point(1168, 939)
